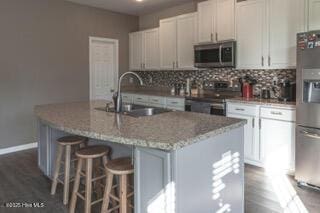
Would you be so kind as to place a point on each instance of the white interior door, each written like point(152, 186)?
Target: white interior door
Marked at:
point(103, 68)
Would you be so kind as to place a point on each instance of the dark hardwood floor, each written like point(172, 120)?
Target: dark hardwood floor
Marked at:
point(22, 182)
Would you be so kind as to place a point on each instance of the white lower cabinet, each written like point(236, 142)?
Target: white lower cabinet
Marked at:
point(269, 135)
point(277, 140)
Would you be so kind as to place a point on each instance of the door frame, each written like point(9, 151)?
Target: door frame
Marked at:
point(115, 42)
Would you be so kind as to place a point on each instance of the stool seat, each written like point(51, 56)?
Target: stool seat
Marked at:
point(120, 166)
point(71, 140)
point(93, 152)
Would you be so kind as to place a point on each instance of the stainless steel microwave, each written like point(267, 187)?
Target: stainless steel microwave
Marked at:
point(215, 55)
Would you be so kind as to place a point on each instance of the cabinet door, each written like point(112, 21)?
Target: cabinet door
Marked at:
point(206, 11)
point(277, 143)
point(186, 38)
point(251, 146)
point(225, 20)
point(286, 19)
point(151, 49)
point(168, 43)
point(135, 40)
point(251, 34)
point(314, 15)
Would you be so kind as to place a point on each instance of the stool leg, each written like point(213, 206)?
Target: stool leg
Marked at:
point(66, 174)
point(57, 169)
point(123, 194)
point(107, 191)
point(76, 187)
point(87, 205)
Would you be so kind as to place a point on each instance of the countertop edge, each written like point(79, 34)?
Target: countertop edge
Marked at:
point(143, 143)
point(260, 103)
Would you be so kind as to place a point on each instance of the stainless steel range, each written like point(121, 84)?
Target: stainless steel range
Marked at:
point(308, 109)
point(213, 100)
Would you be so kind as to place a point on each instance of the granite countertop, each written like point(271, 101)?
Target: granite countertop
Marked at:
point(167, 131)
point(266, 102)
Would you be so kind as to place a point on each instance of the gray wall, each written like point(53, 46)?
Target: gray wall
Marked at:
point(44, 57)
point(151, 20)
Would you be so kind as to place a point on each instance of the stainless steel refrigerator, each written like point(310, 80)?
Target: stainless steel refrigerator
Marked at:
point(308, 109)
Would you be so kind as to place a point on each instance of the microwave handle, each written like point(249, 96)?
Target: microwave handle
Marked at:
point(220, 54)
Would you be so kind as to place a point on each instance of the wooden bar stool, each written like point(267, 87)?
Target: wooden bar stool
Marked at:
point(87, 155)
point(122, 167)
point(64, 145)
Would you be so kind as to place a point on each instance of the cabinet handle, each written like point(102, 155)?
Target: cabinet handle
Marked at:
point(276, 113)
point(239, 109)
point(309, 134)
point(259, 123)
point(174, 102)
point(269, 61)
point(155, 100)
point(253, 124)
point(216, 36)
point(262, 61)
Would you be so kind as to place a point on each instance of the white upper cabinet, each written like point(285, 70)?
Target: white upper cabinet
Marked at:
point(168, 43)
point(151, 51)
point(286, 19)
point(206, 21)
point(216, 20)
point(314, 15)
point(186, 39)
point(251, 34)
point(225, 20)
point(135, 43)
point(266, 33)
point(144, 50)
point(177, 37)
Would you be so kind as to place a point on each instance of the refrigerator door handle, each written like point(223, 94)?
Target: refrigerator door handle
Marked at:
point(310, 135)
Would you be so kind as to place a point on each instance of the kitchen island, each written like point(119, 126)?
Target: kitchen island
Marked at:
point(183, 162)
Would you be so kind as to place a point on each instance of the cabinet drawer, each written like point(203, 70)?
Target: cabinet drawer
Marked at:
point(157, 101)
point(278, 114)
point(175, 102)
point(241, 109)
point(127, 98)
point(140, 99)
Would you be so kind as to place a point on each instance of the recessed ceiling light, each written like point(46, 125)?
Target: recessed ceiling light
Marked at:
point(139, 0)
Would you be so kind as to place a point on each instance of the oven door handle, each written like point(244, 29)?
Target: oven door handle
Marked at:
point(310, 135)
point(220, 54)
point(217, 106)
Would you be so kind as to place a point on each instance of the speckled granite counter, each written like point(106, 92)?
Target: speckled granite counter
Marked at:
point(265, 102)
point(167, 131)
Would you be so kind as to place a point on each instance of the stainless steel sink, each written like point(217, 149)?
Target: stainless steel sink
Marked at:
point(146, 112)
point(136, 110)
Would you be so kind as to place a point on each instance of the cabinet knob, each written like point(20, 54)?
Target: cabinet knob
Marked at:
point(262, 61)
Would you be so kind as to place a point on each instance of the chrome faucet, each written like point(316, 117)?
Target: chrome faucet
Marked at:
point(119, 100)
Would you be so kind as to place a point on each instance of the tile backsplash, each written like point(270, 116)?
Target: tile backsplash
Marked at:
point(264, 78)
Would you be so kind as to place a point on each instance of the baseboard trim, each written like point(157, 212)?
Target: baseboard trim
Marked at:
point(18, 148)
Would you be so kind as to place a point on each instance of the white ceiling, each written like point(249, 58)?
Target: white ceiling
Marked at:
point(131, 7)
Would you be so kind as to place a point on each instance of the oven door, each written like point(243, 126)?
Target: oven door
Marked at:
point(218, 109)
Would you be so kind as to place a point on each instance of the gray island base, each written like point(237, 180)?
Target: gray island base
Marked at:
point(200, 170)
